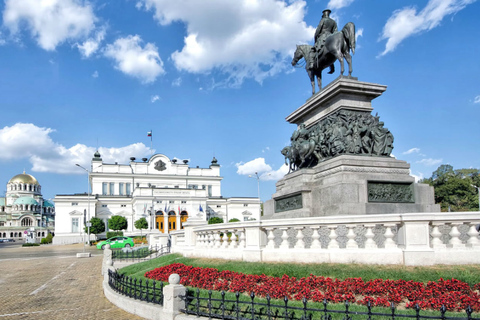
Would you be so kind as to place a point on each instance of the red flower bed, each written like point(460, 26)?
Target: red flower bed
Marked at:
point(454, 294)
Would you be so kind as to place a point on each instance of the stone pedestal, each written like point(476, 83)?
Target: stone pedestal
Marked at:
point(347, 184)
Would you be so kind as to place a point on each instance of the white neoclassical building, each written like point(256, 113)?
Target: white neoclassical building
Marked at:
point(24, 211)
point(163, 191)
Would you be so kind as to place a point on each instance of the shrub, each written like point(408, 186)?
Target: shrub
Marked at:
point(234, 220)
point(111, 234)
point(31, 245)
point(215, 220)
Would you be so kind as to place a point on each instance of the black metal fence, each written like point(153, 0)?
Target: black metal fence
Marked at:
point(146, 290)
point(140, 254)
point(250, 309)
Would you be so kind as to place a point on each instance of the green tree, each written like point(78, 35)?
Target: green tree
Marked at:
point(117, 223)
point(215, 220)
point(455, 189)
point(141, 224)
point(97, 226)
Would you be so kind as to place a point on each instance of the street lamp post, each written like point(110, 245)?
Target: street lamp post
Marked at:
point(258, 191)
point(88, 197)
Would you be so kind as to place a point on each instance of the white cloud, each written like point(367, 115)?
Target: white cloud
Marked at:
point(257, 165)
point(34, 143)
point(141, 63)
point(50, 22)
point(240, 38)
point(338, 4)
point(264, 170)
point(91, 45)
point(477, 99)
point(407, 22)
point(418, 176)
point(430, 162)
point(358, 33)
point(177, 82)
point(413, 150)
point(95, 74)
point(155, 98)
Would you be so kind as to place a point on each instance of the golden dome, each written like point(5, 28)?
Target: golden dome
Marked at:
point(24, 178)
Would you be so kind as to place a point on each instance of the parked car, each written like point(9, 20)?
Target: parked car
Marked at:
point(8, 240)
point(116, 242)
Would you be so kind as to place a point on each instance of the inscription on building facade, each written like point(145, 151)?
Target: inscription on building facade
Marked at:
point(290, 203)
point(390, 192)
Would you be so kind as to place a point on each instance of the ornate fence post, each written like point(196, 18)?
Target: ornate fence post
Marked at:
point(172, 296)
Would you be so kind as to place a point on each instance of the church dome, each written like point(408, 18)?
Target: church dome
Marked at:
point(47, 203)
point(24, 178)
point(26, 200)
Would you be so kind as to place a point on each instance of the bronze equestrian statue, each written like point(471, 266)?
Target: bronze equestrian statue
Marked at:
point(330, 45)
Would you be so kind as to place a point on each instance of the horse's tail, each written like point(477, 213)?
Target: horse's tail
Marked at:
point(349, 34)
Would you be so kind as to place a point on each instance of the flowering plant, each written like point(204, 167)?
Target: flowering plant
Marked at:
point(453, 294)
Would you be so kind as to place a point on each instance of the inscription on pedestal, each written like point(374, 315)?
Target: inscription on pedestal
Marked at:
point(290, 203)
point(390, 192)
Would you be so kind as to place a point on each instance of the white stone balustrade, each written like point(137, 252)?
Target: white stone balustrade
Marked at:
point(409, 239)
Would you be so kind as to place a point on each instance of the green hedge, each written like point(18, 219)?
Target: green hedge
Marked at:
point(111, 234)
point(31, 245)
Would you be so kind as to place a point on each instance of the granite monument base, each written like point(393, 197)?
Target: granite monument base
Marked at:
point(350, 185)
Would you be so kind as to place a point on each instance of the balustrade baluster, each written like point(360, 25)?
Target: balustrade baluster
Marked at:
point(473, 241)
point(217, 240)
point(271, 238)
point(315, 238)
point(211, 239)
point(389, 243)
point(300, 243)
point(233, 239)
point(284, 244)
point(241, 243)
point(455, 241)
point(436, 234)
point(351, 243)
point(333, 244)
point(370, 243)
point(225, 242)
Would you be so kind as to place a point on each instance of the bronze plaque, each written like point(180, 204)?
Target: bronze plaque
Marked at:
point(390, 192)
point(290, 203)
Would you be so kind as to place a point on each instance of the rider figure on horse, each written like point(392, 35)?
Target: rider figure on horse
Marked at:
point(325, 27)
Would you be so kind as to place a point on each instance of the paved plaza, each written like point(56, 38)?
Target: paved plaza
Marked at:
point(50, 282)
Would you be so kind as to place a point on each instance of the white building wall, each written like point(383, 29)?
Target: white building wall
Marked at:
point(175, 187)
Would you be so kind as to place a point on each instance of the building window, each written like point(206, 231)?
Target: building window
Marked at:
point(2, 224)
point(128, 188)
point(26, 222)
point(123, 205)
point(74, 203)
point(120, 188)
point(171, 201)
point(159, 201)
point(104, 188)
point(219, 206)
point(104, 205)
point(176, 187)
point(112, 188)
point(75, 225)
point(184, 201)
point(209, 191)
point(245, 218)
point(245, 204)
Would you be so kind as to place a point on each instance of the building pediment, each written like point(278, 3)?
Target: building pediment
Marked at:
point(75, 213)
point(246, 213)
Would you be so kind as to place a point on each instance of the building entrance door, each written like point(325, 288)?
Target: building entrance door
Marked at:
point(159, 222)
point(172, 221)
point(183, 218)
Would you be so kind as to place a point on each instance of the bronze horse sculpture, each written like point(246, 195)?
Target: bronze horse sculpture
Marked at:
point(337, 47)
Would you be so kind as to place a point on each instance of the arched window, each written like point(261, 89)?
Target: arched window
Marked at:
point(26, 222)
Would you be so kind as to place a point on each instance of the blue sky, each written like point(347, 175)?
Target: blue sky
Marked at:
point(213, 78)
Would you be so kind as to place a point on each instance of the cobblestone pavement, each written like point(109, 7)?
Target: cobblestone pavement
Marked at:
point(54, 287)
